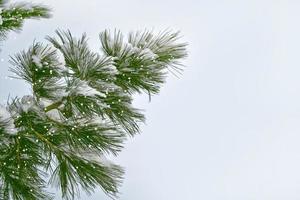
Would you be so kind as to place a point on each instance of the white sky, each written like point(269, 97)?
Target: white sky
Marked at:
point(229, 128)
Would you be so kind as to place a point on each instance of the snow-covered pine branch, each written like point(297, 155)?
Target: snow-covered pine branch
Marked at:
point(81, 104)
point(12, 16)
point(144, 59)
point(7, 121)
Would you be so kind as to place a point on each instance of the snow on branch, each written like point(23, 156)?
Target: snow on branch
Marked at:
point(81, 107)
point(7, 120)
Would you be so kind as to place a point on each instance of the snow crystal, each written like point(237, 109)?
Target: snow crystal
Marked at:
point(6, 117)
point(37, 60)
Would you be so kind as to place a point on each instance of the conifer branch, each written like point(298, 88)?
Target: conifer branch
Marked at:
point(80, 110)
point(53, 106)
point(12, 16)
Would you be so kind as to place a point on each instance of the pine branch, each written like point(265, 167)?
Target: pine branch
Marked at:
point(66, 143)
point(19, 174)
point(12, 16)
point(142, 60)
point(53, 106)
point(81, 108)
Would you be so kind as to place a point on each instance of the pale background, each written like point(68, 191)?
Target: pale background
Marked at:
point(229, 128)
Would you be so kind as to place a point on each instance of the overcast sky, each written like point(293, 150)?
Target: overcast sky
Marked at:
point(229, 128)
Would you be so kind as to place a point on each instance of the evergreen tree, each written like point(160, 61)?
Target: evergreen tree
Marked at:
point(80, 109)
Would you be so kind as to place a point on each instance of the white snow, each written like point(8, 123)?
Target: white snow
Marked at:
point(110, 42)
point(95, 157)
point(129, 45)
point(37, 60)
point(133, 49)
point(79, 87)
point(112, 69)
point(145, 53)
point(102, 160)
point(83, 88)
point(57, 87)
point(148, 54)
point(6, 117)
point(54, 115)
point(27, 102)
point(114, 58)
point(100, 120)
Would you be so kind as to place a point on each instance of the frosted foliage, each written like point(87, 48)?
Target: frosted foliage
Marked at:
point(100, 120)
point(27, 102)
point(60, 91)
point(81, 108)
point(54, 115)
point(144, 53)
point(83, 88)
point(6, 117)
point(148, 54)
point(93, 156)
point(132, 48)
point(79, 87)
point(37, 60)
point(44, 102)
point(111, 69)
